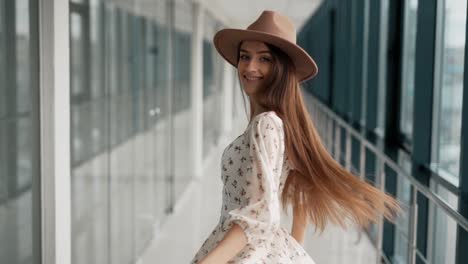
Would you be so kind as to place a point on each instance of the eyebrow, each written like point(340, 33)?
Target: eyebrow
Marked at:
point(262, 51)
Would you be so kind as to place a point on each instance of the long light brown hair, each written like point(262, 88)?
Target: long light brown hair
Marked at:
point(318, 187)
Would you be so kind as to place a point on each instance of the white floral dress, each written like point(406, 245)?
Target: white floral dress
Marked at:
point(254, 170)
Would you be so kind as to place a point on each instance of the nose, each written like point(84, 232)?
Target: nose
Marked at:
point(251, 65)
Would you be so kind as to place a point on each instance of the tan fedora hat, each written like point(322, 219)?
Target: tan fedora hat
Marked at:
point(273, 28)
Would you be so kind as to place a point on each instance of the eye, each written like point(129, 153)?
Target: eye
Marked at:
point(243, 57)
point(265, 59)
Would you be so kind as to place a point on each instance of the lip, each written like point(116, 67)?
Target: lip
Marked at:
point(248, 80)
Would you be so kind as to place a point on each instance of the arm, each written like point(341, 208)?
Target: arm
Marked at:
point(232, 243)
point(299, 226)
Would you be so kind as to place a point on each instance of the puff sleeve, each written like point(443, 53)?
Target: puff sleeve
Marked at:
point(261, 215)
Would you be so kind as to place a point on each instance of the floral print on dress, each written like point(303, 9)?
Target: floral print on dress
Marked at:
point(253, 172)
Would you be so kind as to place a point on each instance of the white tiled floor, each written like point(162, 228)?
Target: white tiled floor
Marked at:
point(197, 213)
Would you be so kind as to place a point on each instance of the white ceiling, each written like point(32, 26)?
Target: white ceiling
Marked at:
point(233, 13)
point(241, 13)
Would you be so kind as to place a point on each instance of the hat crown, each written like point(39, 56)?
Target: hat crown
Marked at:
point(274, 23)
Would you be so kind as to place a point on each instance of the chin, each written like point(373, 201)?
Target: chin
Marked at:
point(250, 91)
point(253, 89)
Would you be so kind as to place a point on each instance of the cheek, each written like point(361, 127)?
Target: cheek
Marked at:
point(267, 70)
point(240, 69)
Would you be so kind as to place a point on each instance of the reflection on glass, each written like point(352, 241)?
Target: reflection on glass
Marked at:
point(88, 129)
point(444, 229)
point(449, 89)
point(212, 76)
point(119, 121)
point(402, 227)
point(3, 91)
point(19, 158)
point(182, 56)
point(407, 70)
point(382, 81)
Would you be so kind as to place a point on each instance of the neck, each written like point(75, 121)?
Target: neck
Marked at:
point(256, 108)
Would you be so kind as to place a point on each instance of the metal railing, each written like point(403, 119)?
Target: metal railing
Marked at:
point(327, 122)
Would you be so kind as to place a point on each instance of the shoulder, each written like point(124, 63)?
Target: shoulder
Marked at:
point(268, 117)
point(268, 121)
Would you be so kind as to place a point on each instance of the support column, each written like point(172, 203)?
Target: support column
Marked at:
point(422, 125)
point(55, 131)
point(196, 100)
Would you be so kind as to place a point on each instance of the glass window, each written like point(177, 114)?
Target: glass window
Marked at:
point(118, 67)
point(402, 227)
point(443, 227)
point(3, 53)
point(182, 92)
point(365, 57)
point(159, 50)
point(77, 42)
point(182, 55)
point(448, 90)
point(407, 69)
point(382, 80)
point(88, 120)
point(23, 73)
point(212, 74)
point(19, 133)
point(208, 66)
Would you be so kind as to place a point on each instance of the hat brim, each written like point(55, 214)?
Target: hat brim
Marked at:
point(226, 41)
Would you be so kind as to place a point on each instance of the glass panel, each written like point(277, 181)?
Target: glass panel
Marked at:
point(209, 98)
point(401, 248)
point(407, 70)
point(19, 134)
point(23, 57)
point(182, 55)
point(181, 96)
point(98, 128)
point(119, 122)
point(382, 81)
point(121, 154)
point(161, 111)
point(76, 54)
point(402, 225)
point(235, 92)
point(208, 68)
point(143, 167)
point(3, 53)
point(89, 170)
point(212, 77)
point(444, 229)
point(449, 89)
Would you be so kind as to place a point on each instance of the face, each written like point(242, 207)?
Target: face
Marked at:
point(255, 65)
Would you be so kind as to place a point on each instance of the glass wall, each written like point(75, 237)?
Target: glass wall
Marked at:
point(119, 128)
point(407, 69)
point(448, 90)
point(402, 227)
point(383, 63)
point(212, 77)
point(237, 96)
point(416, 49)
point(19, 133)
point(443, 229)
point(182, 39)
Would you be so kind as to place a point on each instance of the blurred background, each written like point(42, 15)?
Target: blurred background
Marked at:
point(114, 115)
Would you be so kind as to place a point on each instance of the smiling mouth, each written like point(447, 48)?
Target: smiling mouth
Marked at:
point(252, 78)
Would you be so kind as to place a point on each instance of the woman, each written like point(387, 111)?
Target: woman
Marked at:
point(280, 157)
